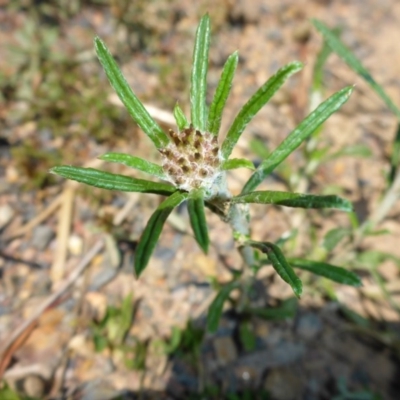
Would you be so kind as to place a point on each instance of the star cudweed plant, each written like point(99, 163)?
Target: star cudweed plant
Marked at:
point(194, 161)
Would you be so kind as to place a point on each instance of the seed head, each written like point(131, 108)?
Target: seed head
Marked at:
point(191, 159)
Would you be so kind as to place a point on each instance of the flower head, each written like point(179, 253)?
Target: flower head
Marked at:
point(191, 160)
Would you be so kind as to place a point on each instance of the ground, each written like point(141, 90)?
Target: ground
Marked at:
point(67, 288)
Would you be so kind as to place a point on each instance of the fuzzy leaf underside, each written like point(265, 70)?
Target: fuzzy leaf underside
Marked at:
point(109, 181)
point(254, 104)
point(153, 229)
point(294, 200)
point(134, 106)
point(135, 162)
point(280, 264)
point(297, 136)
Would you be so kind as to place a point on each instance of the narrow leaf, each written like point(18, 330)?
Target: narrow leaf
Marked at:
point(153, 230)
point(354, 63)
point(294, 200)
point(280, 264)
point(198, 219)
point(222, 93)
point(216, 307)
point(297, 136)
point(109, 181)
point(234, 163)
point(336, 274)
point(135, 162)
point(334, 236)
point(322, 57)
point(128, 98)
point(180, 118)
point(198, 89)
point(395, 157)
point(357, 150)
point(286, 310)
point(255, 103)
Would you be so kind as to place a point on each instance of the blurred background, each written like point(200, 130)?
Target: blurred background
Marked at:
point(100, 334)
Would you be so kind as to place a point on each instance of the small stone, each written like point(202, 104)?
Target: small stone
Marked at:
point(225, 349)
point(34, 386)
point(302, 32)
point(42, 235)
point(283, 384)
point(309, 326)
point(75, 245)
point(6, 213)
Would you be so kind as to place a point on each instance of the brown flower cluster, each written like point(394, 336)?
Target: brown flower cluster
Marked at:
point(191, 160)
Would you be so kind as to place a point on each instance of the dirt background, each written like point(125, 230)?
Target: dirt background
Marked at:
point(57, 107)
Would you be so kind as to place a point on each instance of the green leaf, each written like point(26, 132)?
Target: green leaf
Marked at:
point(371, 259)
point(294, 200)
point(153, 230)
point(135, 162)
point(234, 163)
point(281, 266)
point(286, 310)
point(357, 150)
point(128, 98)
point(395, 157)
point(334, 236)
point(198, 89)
point(215, 310)
point(354, 63)
point(247, 336)
point(354, 317)
point(322, 57)
point(255, 103)
point(180, 118)
point(222, 93)
point(198, 219)
point(336, 274)
point(259, 148)
point(297, 136)
point(109, 181)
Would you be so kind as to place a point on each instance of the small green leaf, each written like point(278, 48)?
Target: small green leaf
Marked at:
point(297, 136)
point(259, 148)
point(234, 163)
point(216, 307)
point(198, 89)
point(357, 150)
point(247, 336)
point(255, 103)
point(395, 157)
point(198, 219)
point(128, 98)
point(109, 181)
point(222, 93)
point(180, 118)
point(135, 162)
point(336, 274)
point(153, 230)
point(322, 57)
point(286, 310)
point(281, 266)
point(294, 200)
point(334, 236)
point(354, 63)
